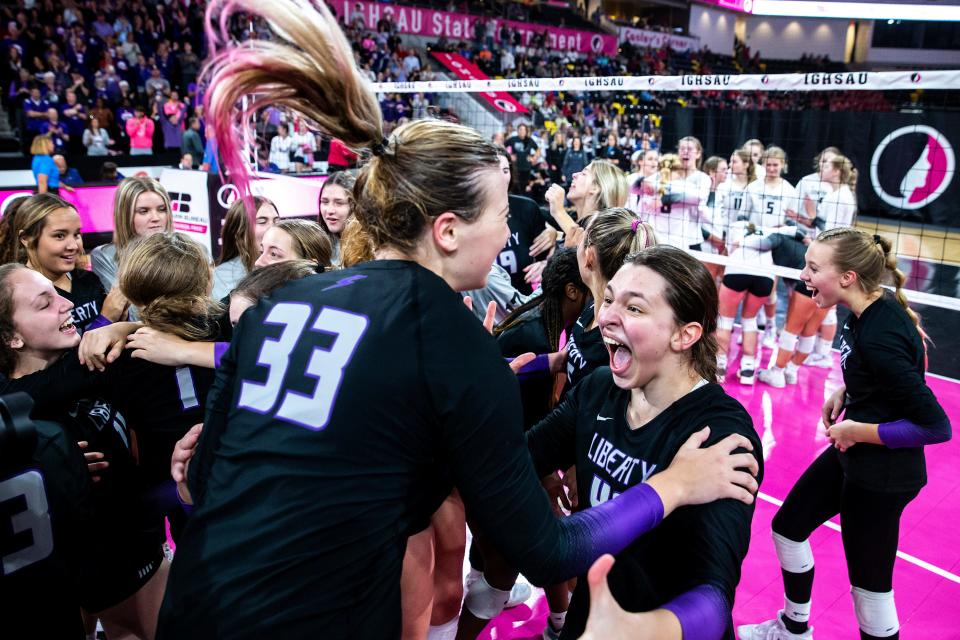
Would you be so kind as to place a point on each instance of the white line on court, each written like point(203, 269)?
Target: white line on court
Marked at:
point(906, 557)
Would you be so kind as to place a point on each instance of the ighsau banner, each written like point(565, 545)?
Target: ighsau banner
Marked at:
point(846, 81)
point(466, 70)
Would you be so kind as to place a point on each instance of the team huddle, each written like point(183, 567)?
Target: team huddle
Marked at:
point(316, 427)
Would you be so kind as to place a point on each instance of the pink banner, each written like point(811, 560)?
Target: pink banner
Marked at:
point(466, 70)
point(658, 39)
point(459, 26)
point(746, 6)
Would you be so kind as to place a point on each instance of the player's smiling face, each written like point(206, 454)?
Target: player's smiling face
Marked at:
point(820, 275)
point(479, 241)
point(637, 325)
point(42, 322)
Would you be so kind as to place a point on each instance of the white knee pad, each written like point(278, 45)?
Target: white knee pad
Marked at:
point(876, 612)
point(831, 317)
point(748, 325)
point(805, 344)
point(795, 557)
point(788, 341)
point(725, 322)
point(484, 601)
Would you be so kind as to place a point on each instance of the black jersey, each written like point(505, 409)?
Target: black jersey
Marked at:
point(694, 545)
point(526, 222)
point(159, 403)
point(529, 335)
point(585, 350)
point(45, 513)
point(87, 295)
point(346, 405)
point(882, 358)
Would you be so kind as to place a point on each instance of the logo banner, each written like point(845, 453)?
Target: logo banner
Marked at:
point(658, 39)
point(847, 81)
point(466, 70)
point(459, 26)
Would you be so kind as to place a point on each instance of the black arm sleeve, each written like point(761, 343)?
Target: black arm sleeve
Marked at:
point(219, 401)
point(889, 354)
point(551, 442)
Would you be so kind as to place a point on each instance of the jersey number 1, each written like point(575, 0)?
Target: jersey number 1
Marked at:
point(326, 366)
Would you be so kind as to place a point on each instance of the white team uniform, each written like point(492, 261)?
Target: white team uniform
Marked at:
point(678, 222)
point(837, 209)
point(813, 187)
point(727, 207)
point(766, 206)
point(742, 248)
point(643, 204)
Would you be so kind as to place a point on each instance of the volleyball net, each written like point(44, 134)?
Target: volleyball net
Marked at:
point(899, 130)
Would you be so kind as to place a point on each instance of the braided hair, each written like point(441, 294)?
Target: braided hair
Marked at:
point(561, 270)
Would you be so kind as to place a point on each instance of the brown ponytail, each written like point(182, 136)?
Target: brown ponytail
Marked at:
point(615, 234)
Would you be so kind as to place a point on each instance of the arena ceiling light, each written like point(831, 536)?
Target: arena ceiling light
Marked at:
point(854, 10)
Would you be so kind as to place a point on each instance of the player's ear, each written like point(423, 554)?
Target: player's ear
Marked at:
point(445, 231)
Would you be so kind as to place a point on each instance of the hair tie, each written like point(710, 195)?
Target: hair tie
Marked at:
point(380, 148)
point(635, 225)
point(876, 238)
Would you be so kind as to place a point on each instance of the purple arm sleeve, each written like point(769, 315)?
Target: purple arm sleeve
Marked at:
point(903, 433)
point(219, 348)
point(703, 613)
point(610, 527)
point(99, 321)
point(536, 368)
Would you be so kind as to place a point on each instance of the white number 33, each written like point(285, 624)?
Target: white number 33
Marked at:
point(326, 365)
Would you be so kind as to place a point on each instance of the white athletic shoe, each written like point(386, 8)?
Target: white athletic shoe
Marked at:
point(550, 633)
point(819, 360)
point(770, 336)
point(773, 377)
point(771, 630)
point(790, 375)
point(746, 376)
point(520, 593)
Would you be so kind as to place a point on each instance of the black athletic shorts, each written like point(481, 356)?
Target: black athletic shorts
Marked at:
point(759, 286)
point(123, 572)
point(801, 288)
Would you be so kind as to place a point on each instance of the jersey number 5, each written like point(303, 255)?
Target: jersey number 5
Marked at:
point(326, 366)
point(32, 536)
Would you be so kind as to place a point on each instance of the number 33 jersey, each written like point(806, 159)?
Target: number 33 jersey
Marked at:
point(347, 406)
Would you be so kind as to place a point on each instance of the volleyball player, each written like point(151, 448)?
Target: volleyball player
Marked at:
point(295, 239)
point(811, 190)
point(48, 229)
point(716, 169)
point(643, 185)
point(599, 186)
point(609, 238)
point(875, 465)
point(731, 193)
point(836, 208)
point(683, 203)
point(769, 203)
point(355, 399)
point(37, 356)
point(623, 422)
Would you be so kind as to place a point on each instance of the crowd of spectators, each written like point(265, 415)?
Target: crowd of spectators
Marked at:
point(104, 77)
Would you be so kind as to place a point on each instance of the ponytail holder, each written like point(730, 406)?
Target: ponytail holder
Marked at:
point(635, 225)
point(380, 148)
point(876, 238)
